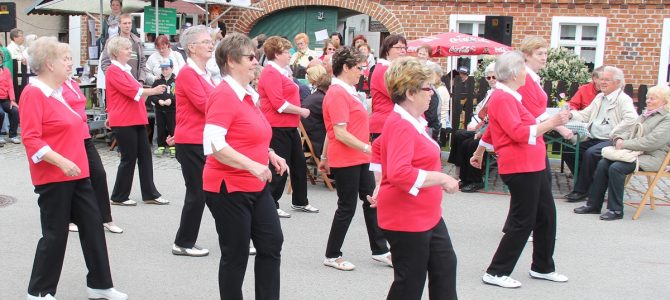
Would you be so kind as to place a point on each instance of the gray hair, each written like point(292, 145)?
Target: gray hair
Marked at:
point(617, 74)
point(44, 50)
point(190, 35)
point(115, 44)
point(14, 33)
point(508, 65)
point(490, 68)
point(436, 68)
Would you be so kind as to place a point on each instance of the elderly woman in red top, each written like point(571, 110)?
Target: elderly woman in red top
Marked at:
point(517, 138)
point(348, 158)
point(8, 104)
point(52, 135)
point(127, 117)
point(236, 174)
point(193, 87)
point(280, 103)
point(412, 180)
point(77, 101)
point(394, 46)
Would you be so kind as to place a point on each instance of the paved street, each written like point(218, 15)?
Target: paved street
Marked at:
point(604, 260)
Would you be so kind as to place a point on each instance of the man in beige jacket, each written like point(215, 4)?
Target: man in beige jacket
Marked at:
point(611, 111)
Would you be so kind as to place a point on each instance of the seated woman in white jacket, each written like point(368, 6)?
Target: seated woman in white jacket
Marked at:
point(163, 52)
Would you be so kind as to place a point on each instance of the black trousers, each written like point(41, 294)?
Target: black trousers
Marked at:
point(135, 149)
point(286, 143)
point(13, 114)
point(470, 174)
point(59, 203)
point(354, 182)
point(589, 155)
point(192, 161)
point(531, 209)
point(98, 180)
point(165, 123)
point(240, 216)
point(456, 157)
point(414, 253)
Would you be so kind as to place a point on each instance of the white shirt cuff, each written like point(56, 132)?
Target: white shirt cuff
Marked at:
point(283, 107)
point(420, 179)
point(37, 157)
point(542, 117)
point(213, 138)
point(532, 138)
point(486, 145)
point(375, 167)
point(138, 96)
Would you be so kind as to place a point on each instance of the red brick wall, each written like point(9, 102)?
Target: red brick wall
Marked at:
point(633, 38)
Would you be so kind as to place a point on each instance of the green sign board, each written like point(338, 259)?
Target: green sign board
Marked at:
point(167, 20)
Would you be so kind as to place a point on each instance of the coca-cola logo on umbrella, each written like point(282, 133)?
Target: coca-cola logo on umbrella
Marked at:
point(461, 49)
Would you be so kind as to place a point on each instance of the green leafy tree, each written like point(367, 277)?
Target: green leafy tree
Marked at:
point(564, 65)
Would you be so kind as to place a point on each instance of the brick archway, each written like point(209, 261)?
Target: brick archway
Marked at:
point(377, 11)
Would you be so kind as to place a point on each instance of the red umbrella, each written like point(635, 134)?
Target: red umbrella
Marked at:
point(458, 44)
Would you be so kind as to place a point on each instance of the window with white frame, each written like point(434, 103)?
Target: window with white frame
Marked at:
point(469, 24)
point(583, 35)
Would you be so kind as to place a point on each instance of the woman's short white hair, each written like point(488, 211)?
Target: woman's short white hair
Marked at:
point(44, 50)
point(509, 65)
point(115, 45)
point(190, 36)
point(662, 92)
point(490, 68)
point(617, 74)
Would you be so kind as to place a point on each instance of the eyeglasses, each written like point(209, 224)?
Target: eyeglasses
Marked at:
point(399, 47)
point(362, 68)
point(330, 49)
point(250, 57)
point(427, 89)
point(490, 77)
point(205, 42)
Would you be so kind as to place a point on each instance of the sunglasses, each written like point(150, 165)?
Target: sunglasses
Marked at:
point(250, 57)
point(490, 77)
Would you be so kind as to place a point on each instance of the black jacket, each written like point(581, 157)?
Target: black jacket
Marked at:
point(168, 94)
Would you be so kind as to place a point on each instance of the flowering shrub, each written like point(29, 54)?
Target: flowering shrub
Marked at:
point(479, 73)
point(564, 65)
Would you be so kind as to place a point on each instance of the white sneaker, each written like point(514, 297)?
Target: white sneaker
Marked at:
point(3, 141)
point(195, 251)
point(282, 214)
point(157, 201)
point(342, 264)
point(252, 250)
point(15, 140)
point(502, 281)
point(307, 208)
point(124, 203)
point(109, 294)
point(47, 297)
point(384, 258)
point(553, 276)
point(73, 227)
point(112, 227)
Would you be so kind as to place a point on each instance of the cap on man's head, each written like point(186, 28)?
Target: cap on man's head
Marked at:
point(166, 63)
point(463, 69)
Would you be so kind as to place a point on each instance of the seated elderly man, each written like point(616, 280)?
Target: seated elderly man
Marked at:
point(586, 93)
point(610, 112)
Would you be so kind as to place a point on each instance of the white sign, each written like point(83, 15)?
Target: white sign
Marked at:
point(321, 35)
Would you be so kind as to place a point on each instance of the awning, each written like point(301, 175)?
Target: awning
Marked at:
point(83, 7)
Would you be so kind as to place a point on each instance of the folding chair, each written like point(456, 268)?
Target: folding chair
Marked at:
point(311, 154)
point(652, 179)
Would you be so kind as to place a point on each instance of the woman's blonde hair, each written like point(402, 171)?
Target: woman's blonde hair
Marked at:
point(44, 50)
point(406, 75)
point(662, 92)
point(318, 76)
point(115, 45)
point(532, 43)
